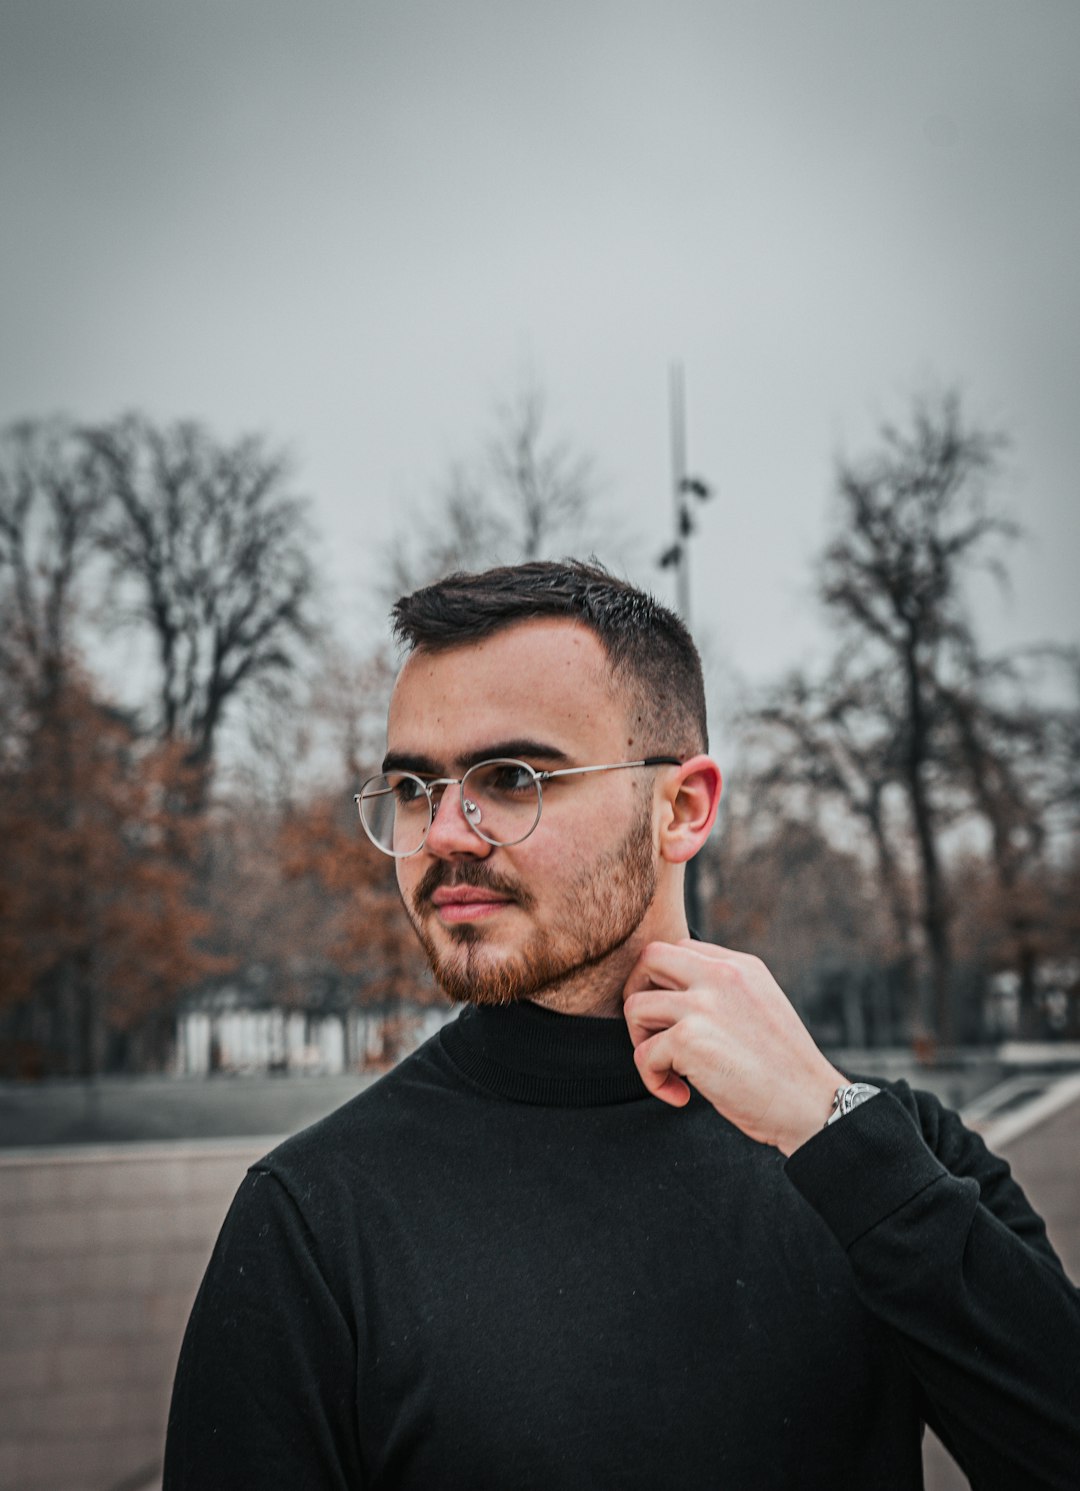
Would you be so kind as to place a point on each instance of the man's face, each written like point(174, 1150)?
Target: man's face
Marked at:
point(500, 923)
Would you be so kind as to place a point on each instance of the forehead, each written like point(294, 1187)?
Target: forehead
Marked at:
point(546, 680)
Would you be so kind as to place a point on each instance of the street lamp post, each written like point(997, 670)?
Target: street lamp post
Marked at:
point(685, 489)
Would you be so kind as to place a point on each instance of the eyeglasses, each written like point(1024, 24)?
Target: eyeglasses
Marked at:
point(501, 801)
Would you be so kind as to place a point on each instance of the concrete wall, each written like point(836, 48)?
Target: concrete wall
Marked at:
point(101, 1252)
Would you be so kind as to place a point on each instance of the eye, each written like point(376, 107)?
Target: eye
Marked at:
point(510, 778)
point(407, 790)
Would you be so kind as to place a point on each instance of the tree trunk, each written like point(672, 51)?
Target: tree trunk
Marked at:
point(934, 907)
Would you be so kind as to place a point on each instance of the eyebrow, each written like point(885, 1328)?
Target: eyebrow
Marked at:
point(426, 766)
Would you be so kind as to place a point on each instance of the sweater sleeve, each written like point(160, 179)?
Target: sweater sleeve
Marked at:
point(947, 1251)
point(265, 1391)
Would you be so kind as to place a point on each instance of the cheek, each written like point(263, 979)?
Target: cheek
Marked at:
point(606, 814)
point(407, 878)
point(547, 870)
point(562, 858)
point(539, 865)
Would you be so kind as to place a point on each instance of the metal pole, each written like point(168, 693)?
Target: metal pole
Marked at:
point(678, 491)
point(683, 527)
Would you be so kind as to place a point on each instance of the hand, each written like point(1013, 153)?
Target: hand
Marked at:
point(719, 1019)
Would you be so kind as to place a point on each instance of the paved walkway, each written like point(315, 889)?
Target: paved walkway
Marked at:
point(1041, 1142)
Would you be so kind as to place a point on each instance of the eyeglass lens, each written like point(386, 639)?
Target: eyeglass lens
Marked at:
point(501, 803)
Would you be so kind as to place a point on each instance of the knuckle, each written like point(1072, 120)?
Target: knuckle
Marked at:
point(701, 1000)
point(682, 1035)
point(697, 1029)
point(740, 975)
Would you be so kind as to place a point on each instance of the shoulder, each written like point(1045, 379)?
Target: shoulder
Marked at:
point(376, 1129)
point(314, 1196)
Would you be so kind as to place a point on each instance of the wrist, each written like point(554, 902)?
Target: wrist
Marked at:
point(813, 1111)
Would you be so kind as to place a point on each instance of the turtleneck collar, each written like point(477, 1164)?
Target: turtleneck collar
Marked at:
point(533, 1055)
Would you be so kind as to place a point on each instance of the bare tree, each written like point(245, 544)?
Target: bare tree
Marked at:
point(327, 735)
point(914, 521)
point(903, 735)
point(782, 887)
point(548, 488)
point(528, 496)
point(50, 502)
point(210, 549)
point(1014, 755)
point(833, 748)
point(97, 922)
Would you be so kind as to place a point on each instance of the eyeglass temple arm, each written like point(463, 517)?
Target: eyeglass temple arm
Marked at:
point(570, 771)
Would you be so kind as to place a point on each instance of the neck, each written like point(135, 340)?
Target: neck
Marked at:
point(534, 1055)
point(598, 989)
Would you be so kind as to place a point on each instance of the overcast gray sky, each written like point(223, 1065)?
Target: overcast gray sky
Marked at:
point(353, 225)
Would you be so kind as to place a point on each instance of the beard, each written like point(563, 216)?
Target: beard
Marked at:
point(595, 916)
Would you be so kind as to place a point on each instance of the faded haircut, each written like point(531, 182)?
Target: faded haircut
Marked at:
point(652, 655)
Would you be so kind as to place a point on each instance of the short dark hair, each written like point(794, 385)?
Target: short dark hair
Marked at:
point(649, 648)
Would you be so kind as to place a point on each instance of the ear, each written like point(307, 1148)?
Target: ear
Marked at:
point(692, 797)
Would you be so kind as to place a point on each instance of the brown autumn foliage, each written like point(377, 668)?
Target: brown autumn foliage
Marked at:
point(97, 924)
point(366, 934)
point(311, 907)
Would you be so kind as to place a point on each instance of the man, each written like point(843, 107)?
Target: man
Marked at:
point(620, 1224)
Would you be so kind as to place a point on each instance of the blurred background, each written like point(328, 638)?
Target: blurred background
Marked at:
point(772, 308)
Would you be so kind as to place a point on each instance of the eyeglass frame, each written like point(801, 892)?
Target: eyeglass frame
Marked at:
point(539, 777)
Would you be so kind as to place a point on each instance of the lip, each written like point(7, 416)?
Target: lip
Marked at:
point(467, 903)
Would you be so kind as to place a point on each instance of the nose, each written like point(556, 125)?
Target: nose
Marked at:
point(450, 836)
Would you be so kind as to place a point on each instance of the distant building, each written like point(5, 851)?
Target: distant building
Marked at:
point(231, 1029)
point(1057, 994)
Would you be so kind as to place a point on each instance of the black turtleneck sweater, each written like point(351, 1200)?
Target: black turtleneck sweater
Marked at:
point(506, 1266)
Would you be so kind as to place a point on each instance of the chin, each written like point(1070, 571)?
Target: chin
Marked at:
point(471, 969)
point(467, 969)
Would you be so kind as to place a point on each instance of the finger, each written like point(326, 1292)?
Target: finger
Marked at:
point(661, 965)
point(653, 1060)
point(649, 1011)
point(711, 950)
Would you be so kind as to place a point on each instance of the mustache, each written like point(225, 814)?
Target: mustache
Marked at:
point(470, 873)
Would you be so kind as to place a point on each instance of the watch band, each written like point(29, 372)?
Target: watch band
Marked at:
point(850, 1096)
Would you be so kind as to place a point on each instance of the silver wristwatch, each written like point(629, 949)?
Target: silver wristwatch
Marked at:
point(848, 1097)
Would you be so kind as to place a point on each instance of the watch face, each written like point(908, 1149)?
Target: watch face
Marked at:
point(850, 1097)
point(859, 1092)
